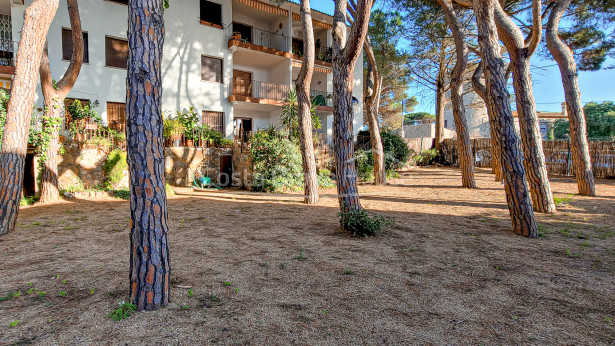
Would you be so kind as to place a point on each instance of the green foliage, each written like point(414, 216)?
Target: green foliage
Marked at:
point(100, 142)
point(396, 155)
point(360, 223)
point(28, 200)
point(123, 193)
point(277, 164)
point(426, 157)
point(13, 323)
point(173, 128)
point(169, 190)
point(11, 296)
point(386, 29)
point(418, 116)
point(324, 179)
point(600, 119)
point(190, 121)
point(123, 311)
point(4, 101)
point(290, 114)
point(114, 167)
point(301, 256)
point(80, 110)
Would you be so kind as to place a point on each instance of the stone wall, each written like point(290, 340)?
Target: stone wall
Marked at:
point(83, 166)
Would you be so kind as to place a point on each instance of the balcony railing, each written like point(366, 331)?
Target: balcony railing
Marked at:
point(257, 89)
point(260, 37)
point(8, 50)
point(321, 98)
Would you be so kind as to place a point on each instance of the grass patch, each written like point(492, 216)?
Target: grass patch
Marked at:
point(301, 256)
point(562, 201)
point(123, 311)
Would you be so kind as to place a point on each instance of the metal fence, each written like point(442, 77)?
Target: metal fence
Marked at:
point(258, 89)
point(262, 38)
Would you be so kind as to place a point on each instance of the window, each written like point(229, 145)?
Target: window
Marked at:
point(116, 116)
point(67, 45)
point(445, 123)
point(211, 69)
point(215, 120)
point(211, 14)
point(116, 52)
point(67, 102)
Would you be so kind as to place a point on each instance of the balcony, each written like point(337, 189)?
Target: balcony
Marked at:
point(8, 49)
point(323, 55)
point(251, 38)
point(250, 90)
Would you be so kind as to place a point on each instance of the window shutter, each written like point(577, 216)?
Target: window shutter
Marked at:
point(116, 52)
point(211, 69)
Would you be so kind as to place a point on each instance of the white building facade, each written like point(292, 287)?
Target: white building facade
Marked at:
point(234, 61)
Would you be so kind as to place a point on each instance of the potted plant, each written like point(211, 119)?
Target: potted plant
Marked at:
point(237, 36)
point(190, 121)
point(173, 130)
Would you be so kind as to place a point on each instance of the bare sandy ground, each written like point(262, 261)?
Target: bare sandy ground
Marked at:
point(449, 272)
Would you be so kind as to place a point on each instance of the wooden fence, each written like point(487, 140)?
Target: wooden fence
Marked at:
point(557, 155)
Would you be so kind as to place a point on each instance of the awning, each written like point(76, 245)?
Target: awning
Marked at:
point(316, 68)
point(297, 16)
point(265, 7)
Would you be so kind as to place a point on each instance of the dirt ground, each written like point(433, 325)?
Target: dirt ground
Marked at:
point(449, 272)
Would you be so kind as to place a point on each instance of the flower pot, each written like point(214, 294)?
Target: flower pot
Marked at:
point(189, 142)
point(61, 139)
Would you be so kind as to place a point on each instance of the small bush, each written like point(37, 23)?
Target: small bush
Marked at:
point(123, 311)
point(114, 168)
point(28, 200)
point(121, 193)
point(324, 179)
point(277, 164)
point(360, 223)
point(426, 157)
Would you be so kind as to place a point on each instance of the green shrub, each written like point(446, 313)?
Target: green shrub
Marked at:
point(364, 163)
point(123, 193)
point(324, 179)
point(396, 152)
point(123, 311)
point(277, 164)
point(28, 200)
point(360, 223)
point(114, 168)
point(4, 100)
point(426, 157)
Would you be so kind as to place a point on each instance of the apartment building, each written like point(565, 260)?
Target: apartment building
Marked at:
point(234, 61)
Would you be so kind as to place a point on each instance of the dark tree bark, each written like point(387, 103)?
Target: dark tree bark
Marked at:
point(310, 176)
point(466, 159)
point(37, 18)
point(515, 184)
point(440, 97)
point(54, 100)
point(372, 102)
point(346, 50)
point(149, 255)
point(481, 90)
point(531, 139)
point(564, 57)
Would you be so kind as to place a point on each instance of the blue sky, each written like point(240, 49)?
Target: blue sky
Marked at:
point(548, 91)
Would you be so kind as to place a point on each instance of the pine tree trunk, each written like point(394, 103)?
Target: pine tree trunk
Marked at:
point(440, 101)
point(310, 176)
point(149, 255)
point(346, 50)
point(49, 175)
point(466, 158)
point(54, 95)
point(533, 153)
point(531, 140)
point(37, 18)
point(371, 110)
point(564, 57)
point(343, 141)
point(481, 90)
point(515, 184)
